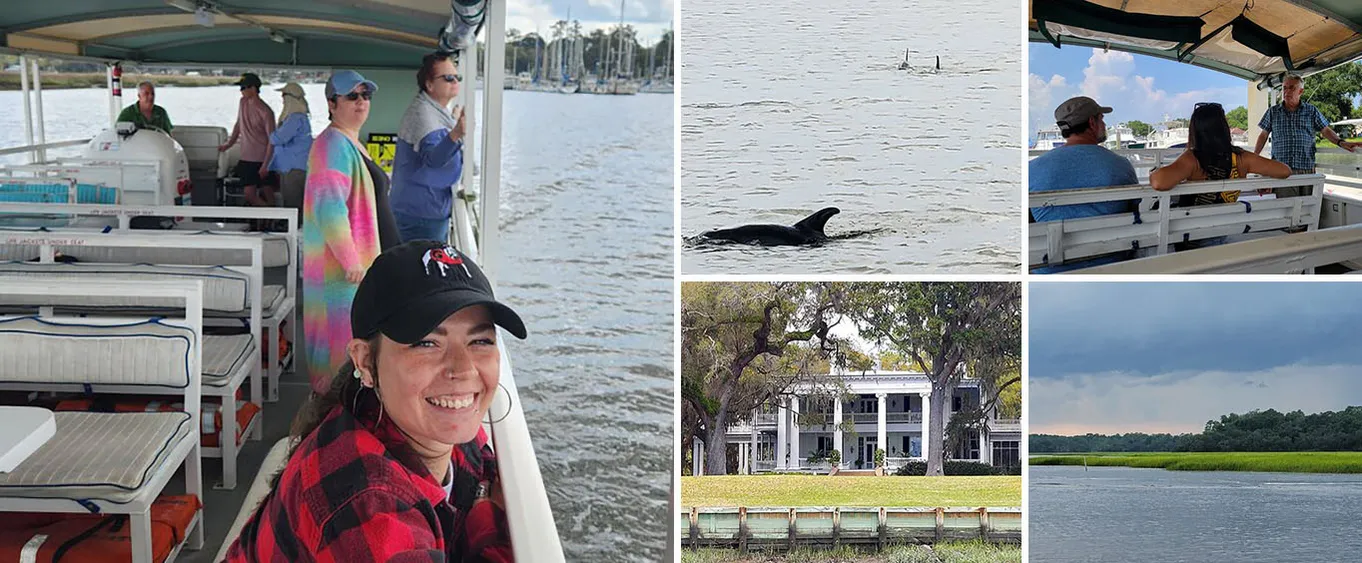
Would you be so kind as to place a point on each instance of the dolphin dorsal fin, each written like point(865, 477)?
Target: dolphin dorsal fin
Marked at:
point(816, 221)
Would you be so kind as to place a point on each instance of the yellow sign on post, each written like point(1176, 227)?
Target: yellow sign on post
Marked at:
point(383, 150)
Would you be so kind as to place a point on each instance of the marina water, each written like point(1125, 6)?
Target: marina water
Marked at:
point(586, 212)
point(794, 106)
point(1129, 514)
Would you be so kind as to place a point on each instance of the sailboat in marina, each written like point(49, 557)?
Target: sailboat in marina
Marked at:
point(616, 80)
point(654, 85)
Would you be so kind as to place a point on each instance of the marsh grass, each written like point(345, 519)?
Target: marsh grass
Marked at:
point(1282, 462)
point(822, 490)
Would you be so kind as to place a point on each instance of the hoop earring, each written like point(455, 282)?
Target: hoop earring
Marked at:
point(509, 403)
point(380, 404)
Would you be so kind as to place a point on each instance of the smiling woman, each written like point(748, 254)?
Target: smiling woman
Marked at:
point(397, 442)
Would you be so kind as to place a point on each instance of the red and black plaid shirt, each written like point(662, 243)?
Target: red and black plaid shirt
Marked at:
point(352, 491)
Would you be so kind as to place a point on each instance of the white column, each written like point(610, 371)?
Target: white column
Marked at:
point(782, 441)
point(985, 448)
point(882, 440)
point(752, 446)
point(794, 433)
point(926, 421)
point(697, 458)
point(837, 430)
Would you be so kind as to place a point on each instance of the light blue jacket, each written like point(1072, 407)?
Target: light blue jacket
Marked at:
point(292, 140)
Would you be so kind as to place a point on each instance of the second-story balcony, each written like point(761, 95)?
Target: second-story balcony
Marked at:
point(889, 418)
point(1005, 425)
point(764, 419)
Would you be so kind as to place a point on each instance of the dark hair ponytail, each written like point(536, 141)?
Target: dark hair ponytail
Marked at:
point(343, 391)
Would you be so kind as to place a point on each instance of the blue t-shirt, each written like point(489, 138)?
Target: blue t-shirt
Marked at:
point(1073, 167)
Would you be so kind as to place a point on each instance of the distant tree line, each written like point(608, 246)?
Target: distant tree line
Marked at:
point(1255, 431)
point(1134, 442)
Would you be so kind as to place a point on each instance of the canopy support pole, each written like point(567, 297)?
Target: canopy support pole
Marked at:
point(113, 104)
point(28, 109)
point(491, 139)
point(42, 127)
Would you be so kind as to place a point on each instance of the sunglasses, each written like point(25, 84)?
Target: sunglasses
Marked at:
point(1199, 105)
point(451, 77)
point(354, 96)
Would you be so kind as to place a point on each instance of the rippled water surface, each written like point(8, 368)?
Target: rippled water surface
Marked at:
point(1127, 514)
point(788, 107)
point(586, 211)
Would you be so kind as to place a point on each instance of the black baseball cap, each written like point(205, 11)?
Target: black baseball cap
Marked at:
point(249, 80)
point(411, 288)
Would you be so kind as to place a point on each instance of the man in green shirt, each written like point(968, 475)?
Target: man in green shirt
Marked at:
point(145, 113)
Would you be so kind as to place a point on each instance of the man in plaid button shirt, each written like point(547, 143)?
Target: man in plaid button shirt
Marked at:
point(1293, 125)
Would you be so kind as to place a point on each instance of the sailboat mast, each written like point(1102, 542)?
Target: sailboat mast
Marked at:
point(620, 52)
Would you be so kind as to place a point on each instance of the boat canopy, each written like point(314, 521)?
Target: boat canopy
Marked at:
point(1257, 40)
point(251, 33)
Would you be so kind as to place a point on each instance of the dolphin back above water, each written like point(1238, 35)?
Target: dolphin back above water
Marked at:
point(807, 231)
point(905, 65)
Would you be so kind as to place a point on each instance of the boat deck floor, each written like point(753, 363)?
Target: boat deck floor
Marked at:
point(220, 507)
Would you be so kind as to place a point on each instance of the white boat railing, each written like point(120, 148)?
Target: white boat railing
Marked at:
point(1144, 160)
point(44, 147)
point(1055, 242)
point(1287, 254)
point(138, 181)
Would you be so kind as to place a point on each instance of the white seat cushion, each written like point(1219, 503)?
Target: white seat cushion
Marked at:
point(223, 355)
point(98, 456)
point(149, 352)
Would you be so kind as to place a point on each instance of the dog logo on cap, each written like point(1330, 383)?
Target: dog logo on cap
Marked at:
point(444, 258)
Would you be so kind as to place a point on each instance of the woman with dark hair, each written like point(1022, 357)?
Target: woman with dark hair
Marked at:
point(392, 462)
point(1210, 155)
point(429, 156)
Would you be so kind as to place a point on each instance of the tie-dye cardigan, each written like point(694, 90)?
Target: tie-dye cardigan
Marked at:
point(340, 231)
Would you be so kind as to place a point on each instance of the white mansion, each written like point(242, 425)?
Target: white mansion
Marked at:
point(887, 410)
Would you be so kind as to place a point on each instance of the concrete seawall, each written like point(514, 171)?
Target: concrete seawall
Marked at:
point(768, 528)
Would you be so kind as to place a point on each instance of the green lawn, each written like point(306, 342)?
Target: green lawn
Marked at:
point(1285, 462)
point(822, 490)
point(968, 552)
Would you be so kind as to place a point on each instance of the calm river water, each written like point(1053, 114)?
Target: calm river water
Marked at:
point(789, 107)
point(586, 209)
point(1110, 514)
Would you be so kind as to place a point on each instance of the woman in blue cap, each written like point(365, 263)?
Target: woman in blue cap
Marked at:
point(346, 224)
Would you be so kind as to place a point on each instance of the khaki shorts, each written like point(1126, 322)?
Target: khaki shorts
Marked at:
point(292, 189)
point(1293, 192)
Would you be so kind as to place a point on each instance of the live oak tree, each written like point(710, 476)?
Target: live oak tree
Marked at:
point(943, 328)
point(743, 344)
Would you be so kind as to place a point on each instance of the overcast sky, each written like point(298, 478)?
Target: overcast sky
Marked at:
point(1167, 357)
point(650, 17)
